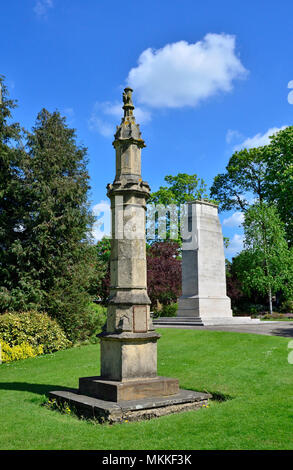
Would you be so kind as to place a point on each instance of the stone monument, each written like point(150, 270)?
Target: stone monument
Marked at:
point(203, 267)
point(204, 298)
point(128, 386)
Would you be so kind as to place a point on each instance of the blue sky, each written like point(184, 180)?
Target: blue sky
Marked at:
point(208, 77)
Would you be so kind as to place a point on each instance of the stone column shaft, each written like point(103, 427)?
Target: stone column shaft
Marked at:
point(129, 344)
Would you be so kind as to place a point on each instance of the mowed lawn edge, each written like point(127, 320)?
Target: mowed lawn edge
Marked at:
point(251, 371)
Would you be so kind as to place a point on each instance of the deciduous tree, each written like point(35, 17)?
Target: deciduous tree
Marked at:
point(262, 174)
point(182, 188)
point(266, 263)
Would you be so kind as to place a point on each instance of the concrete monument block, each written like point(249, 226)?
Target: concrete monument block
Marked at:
point(203, 266)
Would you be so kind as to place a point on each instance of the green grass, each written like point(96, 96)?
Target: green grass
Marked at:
point(252, 369)
point(276, 319)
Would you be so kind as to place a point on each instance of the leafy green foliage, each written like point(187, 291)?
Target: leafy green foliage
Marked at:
point(13, 196)
point(102, 280)
point(245, 173)
point(103, 249)
point(46, 258)
point(280, 177)
point(265, 264)
point(262, 174)
point(242, 302)
point(182, 188)
point(287, 306)
point(36, 329)
point(169, 310)
point(69, 299)
point(97, 319)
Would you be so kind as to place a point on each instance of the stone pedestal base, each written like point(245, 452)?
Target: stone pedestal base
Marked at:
point(130, 410)
point(110, 390)
point(204, 307)
point(126, 355)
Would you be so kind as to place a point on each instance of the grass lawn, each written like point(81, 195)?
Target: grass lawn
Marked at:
point(276, 319)
point(252, 369)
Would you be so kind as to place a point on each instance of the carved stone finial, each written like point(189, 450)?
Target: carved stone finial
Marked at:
point(127, 96)
point(128, 128)
point(127, 100)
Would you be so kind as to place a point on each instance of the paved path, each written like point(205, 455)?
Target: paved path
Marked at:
point(274, 328)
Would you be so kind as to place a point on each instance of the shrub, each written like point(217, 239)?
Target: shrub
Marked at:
point(101, 283)
point(68, 301)
point(33, 328)
point(255, 309)
point(97, 316)
point(274, 315)
point(166, 311)
point(163, 272)
point(287, 306)
point(87, 326)
point(21, 351)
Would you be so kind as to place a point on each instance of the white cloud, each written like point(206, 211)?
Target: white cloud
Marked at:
point(235, 245)
point(102, 206)
point(232, 135)
point(42, 6)
point(107, 115)
point(102, 227)
point(235, 220)
point(104, 128)
point(259, 140)
point(290, 95)
point(182, 74)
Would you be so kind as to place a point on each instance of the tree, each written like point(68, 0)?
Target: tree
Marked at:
point(280, 177)
point(101, 288)
point(262, 174)
point(265, 264)
point(241, 301)
point(245, 173)
point(50, 259)
point(13, 194)
point(163, 272)
point(182, 188)
point(234, 290)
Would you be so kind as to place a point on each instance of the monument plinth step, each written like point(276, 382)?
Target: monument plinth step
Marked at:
point(189, 321)
point(110, 390)
point(130, 410)
point(210, 321)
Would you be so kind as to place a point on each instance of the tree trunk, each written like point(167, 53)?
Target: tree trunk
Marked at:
point(270, 301)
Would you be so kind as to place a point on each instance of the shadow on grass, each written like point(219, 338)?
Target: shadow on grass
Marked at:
point(219, 396)
point(216, 396)
point(40, 389)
